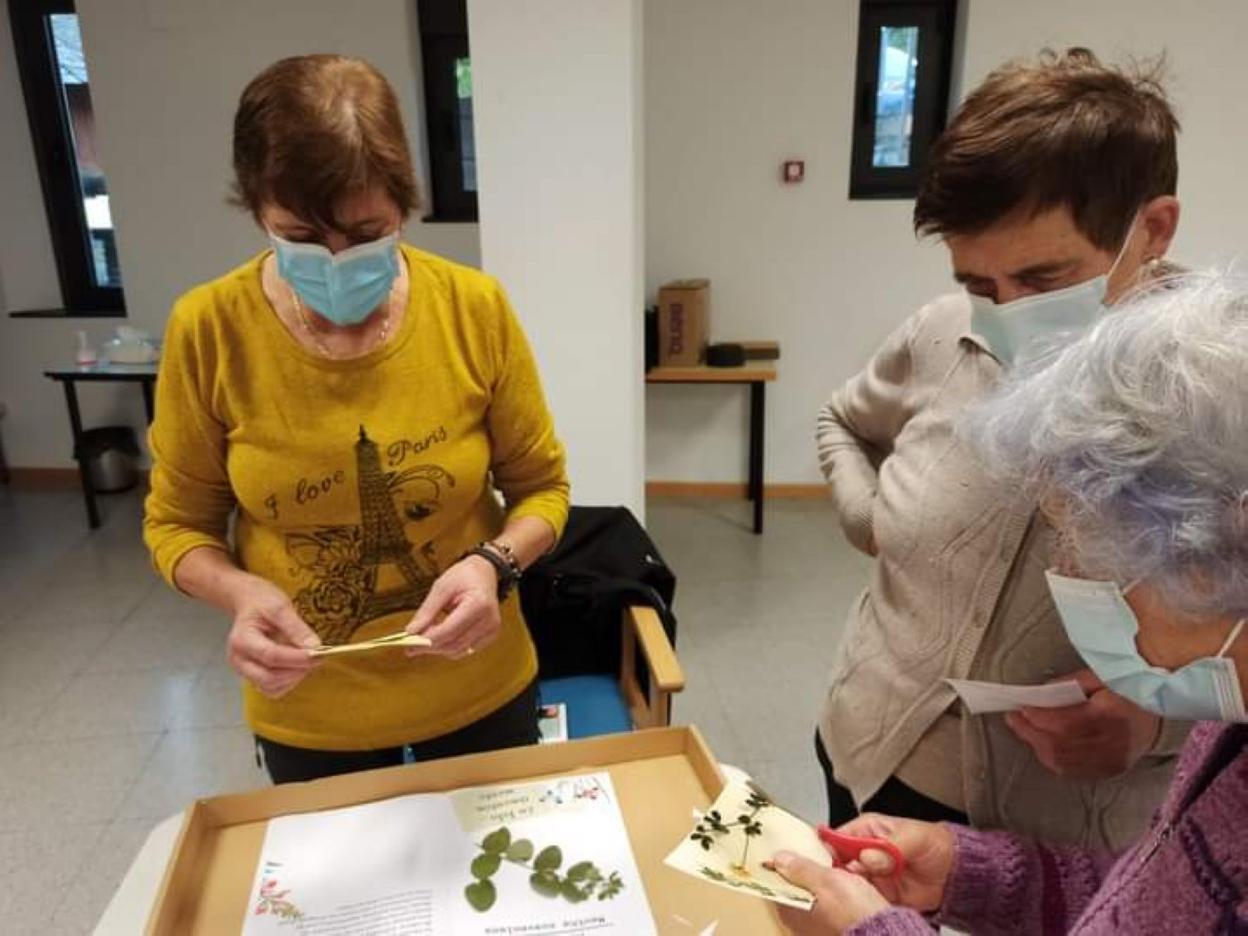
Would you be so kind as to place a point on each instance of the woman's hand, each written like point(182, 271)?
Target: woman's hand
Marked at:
point(268, 641)
point(927, 848)
point(1102, 737)
point(847, 896)
point(842, 899)
point(460, 614)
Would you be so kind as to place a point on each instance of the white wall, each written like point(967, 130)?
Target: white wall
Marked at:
point(557, 98)
point(733, 87)
point(1207, 75)
point(165, 78)
point(36, 429)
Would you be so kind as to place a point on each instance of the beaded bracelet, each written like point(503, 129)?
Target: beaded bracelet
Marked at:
point(503, 559)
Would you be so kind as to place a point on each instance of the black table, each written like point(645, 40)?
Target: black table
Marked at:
point(756, 376)
point(69, 377)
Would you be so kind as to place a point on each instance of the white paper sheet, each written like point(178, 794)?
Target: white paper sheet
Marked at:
point(402, 865)
point(983, 697)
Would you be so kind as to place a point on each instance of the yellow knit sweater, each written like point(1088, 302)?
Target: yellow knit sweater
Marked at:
point(353, 484)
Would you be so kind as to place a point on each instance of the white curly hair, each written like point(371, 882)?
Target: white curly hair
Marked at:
point(1138, 429)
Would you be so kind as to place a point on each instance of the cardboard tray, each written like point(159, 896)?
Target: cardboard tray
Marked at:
point(660, 776)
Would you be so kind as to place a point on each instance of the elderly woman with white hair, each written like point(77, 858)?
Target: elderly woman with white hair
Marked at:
point(1134, 439)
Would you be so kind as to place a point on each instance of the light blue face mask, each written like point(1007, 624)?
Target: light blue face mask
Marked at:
point(1102, 627)
point(345, 287)
point(1012, 327)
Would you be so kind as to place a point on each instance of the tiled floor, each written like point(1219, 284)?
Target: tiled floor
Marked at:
point(117, 709)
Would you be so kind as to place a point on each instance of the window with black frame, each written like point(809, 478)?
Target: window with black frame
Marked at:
point(447, 68)
point(901, 92)
point(57, 92)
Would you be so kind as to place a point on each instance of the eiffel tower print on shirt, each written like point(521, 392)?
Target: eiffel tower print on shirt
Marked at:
point(360, 573)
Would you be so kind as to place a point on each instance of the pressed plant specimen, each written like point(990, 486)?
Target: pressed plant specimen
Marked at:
point(712, 826)
point(578, 883)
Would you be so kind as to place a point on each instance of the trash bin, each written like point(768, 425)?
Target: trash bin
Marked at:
point(111, 454)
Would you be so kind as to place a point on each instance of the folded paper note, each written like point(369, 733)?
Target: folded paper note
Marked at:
point(743, 829)
point(983, 697)
point(401, 639)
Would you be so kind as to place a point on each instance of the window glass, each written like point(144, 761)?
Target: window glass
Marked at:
point(75, 95)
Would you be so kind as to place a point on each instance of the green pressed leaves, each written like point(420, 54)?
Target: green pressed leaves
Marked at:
point(520, 850)
point(484, 866)
point(548, 858)
point(712, 826)
point(581, 882)
point(545, 883)
point(497, 841)
point(481, 895)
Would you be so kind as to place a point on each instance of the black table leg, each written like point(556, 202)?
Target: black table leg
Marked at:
point(757, 399)
point(149, 404)
point(80, 454)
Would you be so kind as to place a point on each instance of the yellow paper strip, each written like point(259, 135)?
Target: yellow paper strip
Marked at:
point(401, 639)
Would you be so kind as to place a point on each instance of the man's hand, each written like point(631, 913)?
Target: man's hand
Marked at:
point(1101, 737)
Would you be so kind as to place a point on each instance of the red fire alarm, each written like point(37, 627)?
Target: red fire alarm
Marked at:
point(793, 172)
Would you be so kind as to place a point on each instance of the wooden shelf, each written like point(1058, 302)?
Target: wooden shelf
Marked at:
point(700, 373)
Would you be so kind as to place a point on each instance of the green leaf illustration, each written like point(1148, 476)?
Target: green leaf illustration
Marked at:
point(484, 865)
point(497, 841)
point(481, 895)
point(581, 871)
point(548, 858)
point(572, 893)
point(520, 850)
point(546, 883)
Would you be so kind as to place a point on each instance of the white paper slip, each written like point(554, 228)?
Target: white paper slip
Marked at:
point(552, 723)
point(982, 697)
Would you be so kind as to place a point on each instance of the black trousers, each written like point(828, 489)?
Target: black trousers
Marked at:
point(894, 798)
point(513, 725)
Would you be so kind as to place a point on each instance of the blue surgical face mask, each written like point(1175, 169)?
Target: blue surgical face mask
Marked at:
point(1102, 627)
point(1011, 327)
point(344, 287)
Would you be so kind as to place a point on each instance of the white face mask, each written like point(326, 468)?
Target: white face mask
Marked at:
point(1012, 327)
point(1103, 628)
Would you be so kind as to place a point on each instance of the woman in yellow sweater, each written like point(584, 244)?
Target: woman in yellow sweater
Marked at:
point(355, 407)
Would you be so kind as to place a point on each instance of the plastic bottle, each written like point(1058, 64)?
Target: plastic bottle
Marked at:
point(86, 354)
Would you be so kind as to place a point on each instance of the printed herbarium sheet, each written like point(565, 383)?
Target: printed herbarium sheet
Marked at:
point(550, 857)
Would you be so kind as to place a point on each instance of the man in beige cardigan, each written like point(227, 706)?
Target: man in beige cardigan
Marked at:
point(1053, 189)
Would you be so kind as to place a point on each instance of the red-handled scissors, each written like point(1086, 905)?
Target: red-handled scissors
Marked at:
point(849, 847)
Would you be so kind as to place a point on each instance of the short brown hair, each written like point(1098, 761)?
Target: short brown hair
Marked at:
point(1064, 130)
point(313, 128)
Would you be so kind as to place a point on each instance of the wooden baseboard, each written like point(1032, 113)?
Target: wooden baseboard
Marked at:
point(43, 479)
point(730, 490)
point(48, 479)
point(52, 479)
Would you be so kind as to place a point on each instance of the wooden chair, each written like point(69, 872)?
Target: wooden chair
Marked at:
point(606, 703)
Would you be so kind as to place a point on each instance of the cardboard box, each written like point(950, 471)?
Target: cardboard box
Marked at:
point(660, 777)
point(684, 322)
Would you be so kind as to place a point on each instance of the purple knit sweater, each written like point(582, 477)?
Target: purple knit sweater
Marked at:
point(1187, 875)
